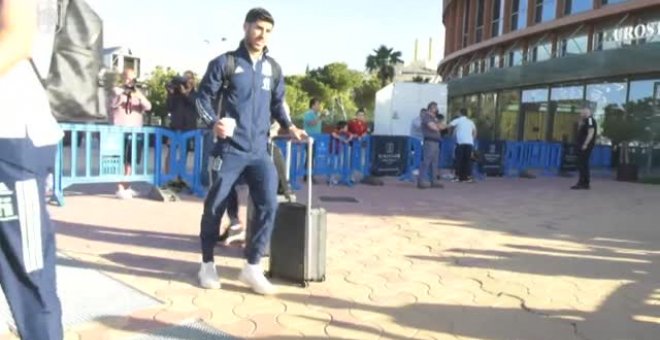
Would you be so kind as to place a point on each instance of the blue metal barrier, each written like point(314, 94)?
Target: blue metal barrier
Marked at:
point(601, 156)
point(414, 160)
point(103, 155)
point(361, 156)
point(193, 178)
point(447, 153)
point(513, 160)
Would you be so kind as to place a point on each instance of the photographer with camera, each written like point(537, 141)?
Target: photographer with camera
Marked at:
point(128, 106)
point(181, 107)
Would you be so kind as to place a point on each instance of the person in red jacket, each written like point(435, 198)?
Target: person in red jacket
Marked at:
point(358, 125)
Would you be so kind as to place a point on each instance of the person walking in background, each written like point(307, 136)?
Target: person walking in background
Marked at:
point(466, 133)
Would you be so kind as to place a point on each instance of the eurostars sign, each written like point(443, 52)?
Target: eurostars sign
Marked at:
point(635, 32)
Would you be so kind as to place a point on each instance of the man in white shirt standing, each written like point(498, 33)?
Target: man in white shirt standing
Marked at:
point(28, 138)
point(465, 132)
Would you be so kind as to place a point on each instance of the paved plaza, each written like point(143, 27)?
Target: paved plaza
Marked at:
point(505, 258)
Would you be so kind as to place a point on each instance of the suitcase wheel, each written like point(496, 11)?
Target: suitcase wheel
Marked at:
point(268, 274)
point(304, 284)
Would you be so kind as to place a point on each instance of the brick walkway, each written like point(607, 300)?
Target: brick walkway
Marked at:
point(500, 259)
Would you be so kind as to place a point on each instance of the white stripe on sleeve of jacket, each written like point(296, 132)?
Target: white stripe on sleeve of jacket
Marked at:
point(29, 215)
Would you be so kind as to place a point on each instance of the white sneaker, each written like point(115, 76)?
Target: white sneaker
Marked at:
point(132, 192)
point(124, 194)
point(208, 277)
point(253, 276)
point(236, 233)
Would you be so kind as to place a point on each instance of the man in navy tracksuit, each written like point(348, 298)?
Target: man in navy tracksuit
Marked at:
point(29, 135)
point(252, 98)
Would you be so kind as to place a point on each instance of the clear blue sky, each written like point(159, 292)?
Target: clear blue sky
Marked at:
point(313, 32)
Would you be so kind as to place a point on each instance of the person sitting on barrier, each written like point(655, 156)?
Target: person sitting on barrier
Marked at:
point(358, 126)
point(128, 106)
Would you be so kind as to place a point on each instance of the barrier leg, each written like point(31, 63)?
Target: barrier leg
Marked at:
point(345, 165)
point(58, 191)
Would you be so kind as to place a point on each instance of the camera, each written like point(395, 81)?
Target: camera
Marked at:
point(176, 82)
point(133, 86)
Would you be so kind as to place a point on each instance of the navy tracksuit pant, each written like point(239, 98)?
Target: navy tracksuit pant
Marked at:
point(260, 175)
point(27, 240)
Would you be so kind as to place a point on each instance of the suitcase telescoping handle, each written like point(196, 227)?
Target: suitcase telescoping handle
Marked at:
point(310, 157)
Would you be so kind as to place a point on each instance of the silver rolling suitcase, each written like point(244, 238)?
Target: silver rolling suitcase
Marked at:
point(298, 243)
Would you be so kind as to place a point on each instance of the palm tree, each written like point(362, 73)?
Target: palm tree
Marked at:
point(382, 62)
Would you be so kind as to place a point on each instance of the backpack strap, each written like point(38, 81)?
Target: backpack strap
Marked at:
point(276, 72)
point(227, 74)
point(37, 73)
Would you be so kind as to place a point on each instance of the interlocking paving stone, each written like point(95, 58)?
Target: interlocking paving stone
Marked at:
point(197, 330)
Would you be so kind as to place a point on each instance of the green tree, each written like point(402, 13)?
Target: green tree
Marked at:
point(316, 88)
point(338, 77)
point(296, 96)
point(341, 81)
point(156, 87)
point(382, 63)
point(364, 95)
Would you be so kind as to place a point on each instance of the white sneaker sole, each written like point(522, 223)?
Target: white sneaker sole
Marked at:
point(236, 237)
point(208, 284)
point(247, 282)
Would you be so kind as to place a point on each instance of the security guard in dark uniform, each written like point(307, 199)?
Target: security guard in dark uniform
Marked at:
point(586, 139)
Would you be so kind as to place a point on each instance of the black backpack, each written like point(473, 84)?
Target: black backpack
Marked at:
point(74, 79)
point(228, 73)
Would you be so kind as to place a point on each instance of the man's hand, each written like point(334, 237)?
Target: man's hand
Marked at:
point(297, 133)
point(584, 147)
point(220, 130)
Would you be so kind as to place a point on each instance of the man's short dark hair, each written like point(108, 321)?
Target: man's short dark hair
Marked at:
point(259, 14)
point(462, 111)
point(313, 102)
point(431, 104)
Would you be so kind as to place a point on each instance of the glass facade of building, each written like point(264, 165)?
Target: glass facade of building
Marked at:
point(551, 112)
point(533, 88)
